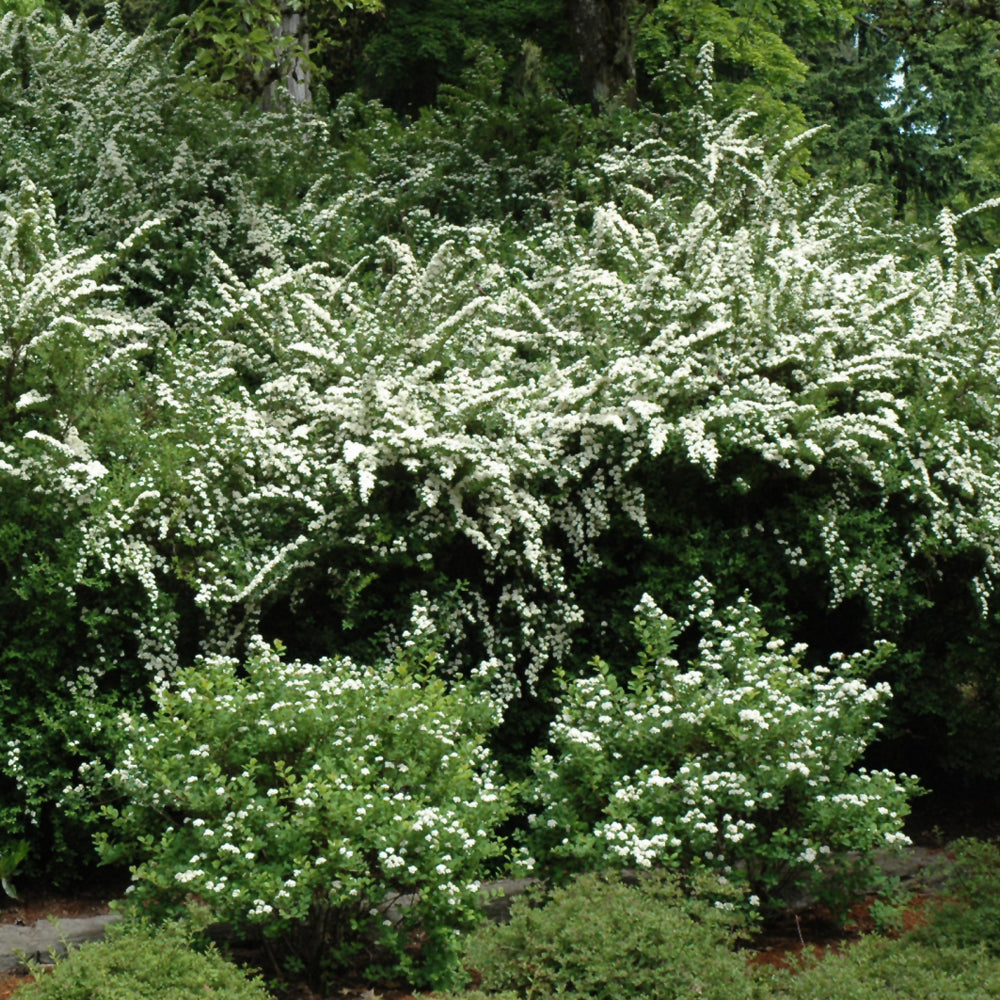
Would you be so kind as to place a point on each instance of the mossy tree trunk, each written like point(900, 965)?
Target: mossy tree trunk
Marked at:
point(603, 40)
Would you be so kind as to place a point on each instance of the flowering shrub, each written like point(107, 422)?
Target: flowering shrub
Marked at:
point(317, 402)
point(303, 801)
point(107, 122)
point(740, 760)
point(68, 355)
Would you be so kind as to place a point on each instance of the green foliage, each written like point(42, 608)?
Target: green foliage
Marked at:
point(250, 45)
point(572, 942)
point(335, 809)
point(69, 356)
point(238, 44)
point(969, 916)
point(136, 16)
point(140, 963)
point(741, 762)
point(482, 367)
point(23, 7)
point(953, 955)
point(491, 149)
point(910, 93)
point(759, 51)
point(10, 861)
point(599, 937)
point(416, 47)
point(877, 969)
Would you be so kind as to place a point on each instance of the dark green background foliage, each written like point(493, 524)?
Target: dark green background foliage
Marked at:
point(911, 96)
point(404, 56)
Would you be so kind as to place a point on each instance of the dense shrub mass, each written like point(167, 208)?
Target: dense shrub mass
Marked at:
point(433, 405)
point(740, 762)
point(325, 376)
point(334, 809)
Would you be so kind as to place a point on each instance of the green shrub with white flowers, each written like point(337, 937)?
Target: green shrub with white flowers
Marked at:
point(332, 808)
point(742, 762)
point(311, 402)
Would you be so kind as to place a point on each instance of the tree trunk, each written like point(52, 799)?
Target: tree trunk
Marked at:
point(294, 23)
point(603, 41)
point(294, 75)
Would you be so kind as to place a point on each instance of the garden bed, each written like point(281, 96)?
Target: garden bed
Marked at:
point(800, 931)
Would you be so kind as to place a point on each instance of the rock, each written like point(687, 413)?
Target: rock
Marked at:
point(44, 940)
point(919, 869)
point(499, 896)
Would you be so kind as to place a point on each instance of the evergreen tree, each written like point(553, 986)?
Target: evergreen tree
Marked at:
point(912, 94)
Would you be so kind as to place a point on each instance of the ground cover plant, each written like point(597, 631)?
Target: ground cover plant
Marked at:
point(879, 968)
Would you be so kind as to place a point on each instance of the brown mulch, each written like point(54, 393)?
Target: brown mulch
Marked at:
point(9, 983)
point(787, 940)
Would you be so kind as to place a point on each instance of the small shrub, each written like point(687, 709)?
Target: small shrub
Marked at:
point(742, 760)
point(139, 963)
point(601, 938)
point(299, 801)
point(877, 969)
point(971, 917)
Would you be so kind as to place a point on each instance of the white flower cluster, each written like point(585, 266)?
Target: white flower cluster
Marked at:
point(469, 409)
point(310, 792)
point(304, 420)
point(746, 758)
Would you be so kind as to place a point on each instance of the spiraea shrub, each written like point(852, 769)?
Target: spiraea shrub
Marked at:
point(111, 126)
point(742, 762)
point(742, 348)
point(337, 810)
point(70, 361)
point(331, 406)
